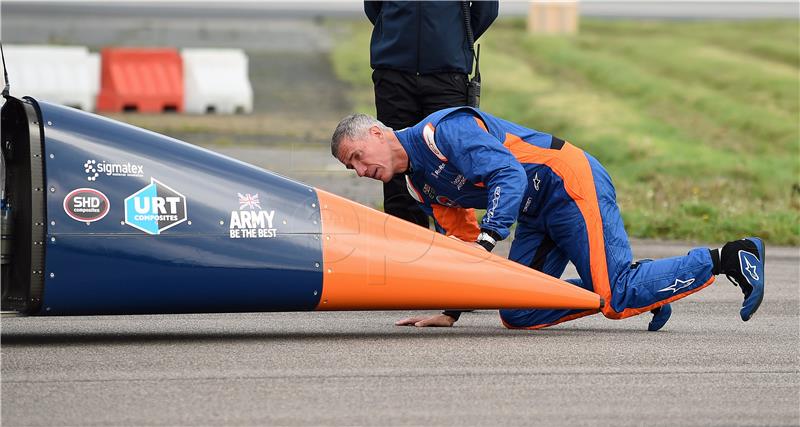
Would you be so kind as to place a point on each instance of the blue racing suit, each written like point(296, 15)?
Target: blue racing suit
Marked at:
point(562, 200)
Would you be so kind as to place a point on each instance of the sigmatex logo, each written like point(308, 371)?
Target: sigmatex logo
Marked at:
point(155, 208)
point(94, 169)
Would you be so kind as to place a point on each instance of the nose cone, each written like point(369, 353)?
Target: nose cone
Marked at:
point(373, 261)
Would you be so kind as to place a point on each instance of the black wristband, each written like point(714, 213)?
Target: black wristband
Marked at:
point(495, 235)
point(486, 245)
point(488, 239)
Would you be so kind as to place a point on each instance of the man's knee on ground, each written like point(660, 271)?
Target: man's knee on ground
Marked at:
point(515, 318)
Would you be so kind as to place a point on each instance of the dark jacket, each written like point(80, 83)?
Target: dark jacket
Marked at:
point(425, 36)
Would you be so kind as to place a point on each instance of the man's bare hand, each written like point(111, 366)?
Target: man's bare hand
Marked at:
point(422, 321)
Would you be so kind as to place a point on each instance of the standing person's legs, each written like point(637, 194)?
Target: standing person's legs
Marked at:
point(442, 90)
point(396, 98)
point(397, 106)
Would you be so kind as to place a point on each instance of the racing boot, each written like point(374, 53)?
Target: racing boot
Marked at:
point(742, 261)
point(660, 317)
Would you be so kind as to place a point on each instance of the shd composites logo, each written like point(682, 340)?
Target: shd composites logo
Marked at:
point(86, 205)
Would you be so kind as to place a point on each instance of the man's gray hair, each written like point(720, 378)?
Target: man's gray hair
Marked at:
point(353, 126)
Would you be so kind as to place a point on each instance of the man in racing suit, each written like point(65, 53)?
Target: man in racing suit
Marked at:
point(562, 200)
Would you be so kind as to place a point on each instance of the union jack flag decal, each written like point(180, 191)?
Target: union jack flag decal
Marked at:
point(249, 201)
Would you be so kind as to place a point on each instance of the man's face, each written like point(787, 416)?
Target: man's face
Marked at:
point(369, 156)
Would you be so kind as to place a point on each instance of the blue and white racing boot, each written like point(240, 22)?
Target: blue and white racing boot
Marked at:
point(742, 261)
point(660, 317)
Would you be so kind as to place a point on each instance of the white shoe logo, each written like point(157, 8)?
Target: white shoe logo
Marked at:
point(536, 181)
point(746, 265)
point(751, 269)
point(678, 285)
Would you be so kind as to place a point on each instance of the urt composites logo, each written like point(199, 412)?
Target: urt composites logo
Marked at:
point(251, 221)
point(155, 208)
point(95, 169)
point(86, 205)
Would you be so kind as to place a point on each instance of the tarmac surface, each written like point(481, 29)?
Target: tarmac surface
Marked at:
point(706, 367)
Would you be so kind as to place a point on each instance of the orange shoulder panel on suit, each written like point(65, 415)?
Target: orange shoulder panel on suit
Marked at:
point(481, 123)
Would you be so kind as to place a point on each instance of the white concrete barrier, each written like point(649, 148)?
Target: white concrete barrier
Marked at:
point(94, 77)
point(60, 74)
point(216, 81)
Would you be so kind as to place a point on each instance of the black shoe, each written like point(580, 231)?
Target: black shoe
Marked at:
point(660, 317)
point(742, 261)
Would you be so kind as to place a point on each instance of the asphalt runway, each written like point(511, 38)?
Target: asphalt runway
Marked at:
point(706, 367)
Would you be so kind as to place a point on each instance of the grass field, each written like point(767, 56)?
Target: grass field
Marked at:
point(698, 122)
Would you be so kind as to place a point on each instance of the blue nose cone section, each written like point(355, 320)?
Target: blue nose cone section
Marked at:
point(187, 230)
